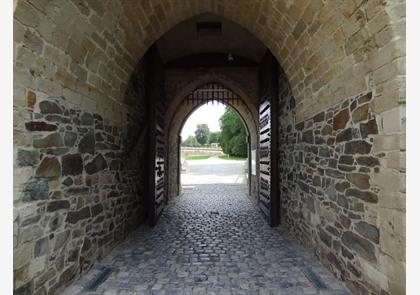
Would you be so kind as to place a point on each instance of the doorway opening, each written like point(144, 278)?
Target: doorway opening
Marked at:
point(214, 147)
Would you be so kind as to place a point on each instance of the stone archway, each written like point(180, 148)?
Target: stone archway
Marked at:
point(179, 112)
point(344, 70)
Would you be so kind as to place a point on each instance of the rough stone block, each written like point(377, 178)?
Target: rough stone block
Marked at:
point(367, 196)
point(357, 147)
point(99, 163)
point(75, 216)
point(53, 140)
point(341, 119)
point(49, 107)
point(359, 180)
point(27, 158)
point(36, 189)
point(48, 168)
point(368, 231)
point(22, 255)
point(72, 164)
point(40, 126)
point(360, 245)
point(368, 128)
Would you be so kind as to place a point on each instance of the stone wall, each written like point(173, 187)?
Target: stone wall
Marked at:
point(329, 197)
point(78, 188)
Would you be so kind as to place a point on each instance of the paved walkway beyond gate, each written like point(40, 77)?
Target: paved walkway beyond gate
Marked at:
point(211, 240)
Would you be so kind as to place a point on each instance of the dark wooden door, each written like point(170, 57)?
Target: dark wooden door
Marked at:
point(157, 169)
point(156, 192)
point(268, 177)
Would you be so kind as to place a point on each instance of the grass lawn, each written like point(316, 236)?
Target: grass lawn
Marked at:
point(197, 157)
point(226, 157)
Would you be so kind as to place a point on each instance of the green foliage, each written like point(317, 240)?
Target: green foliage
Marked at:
point(202, 133)
point(191, 141)
point(214, 137)
point(233, 134)
point(197, 157)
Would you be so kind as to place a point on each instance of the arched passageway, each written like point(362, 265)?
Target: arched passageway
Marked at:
point(85, 73)
point(195, 98)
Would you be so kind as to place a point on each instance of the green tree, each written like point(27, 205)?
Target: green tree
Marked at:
point(214, 137)
point(202, 133)
point(191, 141)
point(233, 134)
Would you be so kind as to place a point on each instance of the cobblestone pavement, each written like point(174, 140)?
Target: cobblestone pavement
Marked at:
point(211, 240)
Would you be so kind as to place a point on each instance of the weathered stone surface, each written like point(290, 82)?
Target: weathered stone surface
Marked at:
point(87, 244)
point(303, 186)
point(357, 147)
point(36, 189)
point(41, 247)
point(61, 239)
point(367, 161)
point(72, 164)
point(40, 126)
point(368, 231)
point(70, 139)
point(319, 117)
point(24, 290)
point(58, 205)
point(326, 130)
point(86, 119)
point(363, 247)
point(342, 201)
point(97, 209)
point(75, 216)
point(341, 119)
point(365, 98)
point(347, 160)
point(367, 196)
point(50, 141)
point(99, 163)
point(334, 173)
point(368, 128)
point(87, 143)
point(27, 158)
point(342, 186)
point(361, 113)
point(68, 181)
point(359, 180)
point(345, 135)
point(325, 238)
point(49, 107)
point(49, 168)
point(30, 99)
point(308, 136)
point(33, 42)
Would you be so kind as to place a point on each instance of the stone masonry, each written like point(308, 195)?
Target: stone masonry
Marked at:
point(330, 199)
point(76, 128)
point(83, 192)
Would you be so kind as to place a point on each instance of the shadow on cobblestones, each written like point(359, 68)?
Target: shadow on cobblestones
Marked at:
point(211, 240)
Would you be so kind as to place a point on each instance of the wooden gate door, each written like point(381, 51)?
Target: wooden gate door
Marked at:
point(268, 176)
point(156, 193)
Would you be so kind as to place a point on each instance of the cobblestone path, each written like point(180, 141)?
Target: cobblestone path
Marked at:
point(211, 240)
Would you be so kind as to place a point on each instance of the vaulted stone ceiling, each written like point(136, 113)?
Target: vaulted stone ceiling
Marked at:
point(184, 40)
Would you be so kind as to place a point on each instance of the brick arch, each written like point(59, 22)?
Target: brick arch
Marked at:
point(178, 113)
point(321, 46)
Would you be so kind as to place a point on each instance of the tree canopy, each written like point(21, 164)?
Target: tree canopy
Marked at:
point(191, 141)
point(202, 133)
point(233, 134)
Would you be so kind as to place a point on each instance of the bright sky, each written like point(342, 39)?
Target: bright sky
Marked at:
point(206, 114)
